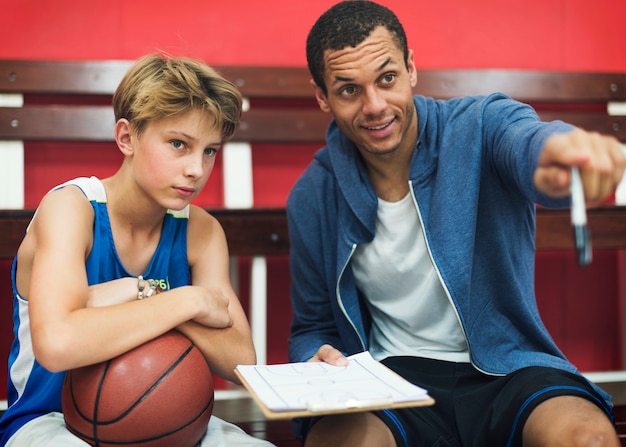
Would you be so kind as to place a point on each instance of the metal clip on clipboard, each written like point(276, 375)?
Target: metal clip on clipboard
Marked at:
point(582, 235)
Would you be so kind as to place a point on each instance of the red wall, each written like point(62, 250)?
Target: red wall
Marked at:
point(541, 34)
point(580, 307)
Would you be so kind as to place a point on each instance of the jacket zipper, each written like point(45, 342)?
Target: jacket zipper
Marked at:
point(445, 286)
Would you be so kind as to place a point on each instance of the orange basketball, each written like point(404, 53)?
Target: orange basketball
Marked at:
point(159, 394)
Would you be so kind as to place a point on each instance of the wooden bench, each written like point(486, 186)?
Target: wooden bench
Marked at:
point(282, 110)
point(70, 101)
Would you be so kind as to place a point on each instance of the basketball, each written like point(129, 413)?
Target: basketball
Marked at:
point(159, 394)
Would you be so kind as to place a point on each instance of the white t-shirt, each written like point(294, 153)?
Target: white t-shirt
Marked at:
point(412, 313)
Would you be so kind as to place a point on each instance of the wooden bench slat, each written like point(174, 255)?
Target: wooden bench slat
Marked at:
point(53, 122)
point(102, 77)
point(256, 231)
point(12, 228)
point(95, 123)
point(607, 225)
point(263, 231)
point(280, 126)
point(524, 85)
point(592, 121)
point(270, 82)
point(62, 77)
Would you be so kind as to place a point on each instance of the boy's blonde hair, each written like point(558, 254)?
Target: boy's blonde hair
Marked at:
point(159, 87)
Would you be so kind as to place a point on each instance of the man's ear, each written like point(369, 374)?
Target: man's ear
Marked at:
point(410, 63)
point(320, 96)
point(123, 136)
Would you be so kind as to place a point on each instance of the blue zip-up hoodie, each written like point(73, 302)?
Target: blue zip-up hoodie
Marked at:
point(471, 177)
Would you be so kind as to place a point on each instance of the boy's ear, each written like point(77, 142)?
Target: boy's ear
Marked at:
point(320, 96)
point(123, 136)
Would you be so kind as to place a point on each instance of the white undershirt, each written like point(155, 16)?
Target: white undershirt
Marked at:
point(411, 312)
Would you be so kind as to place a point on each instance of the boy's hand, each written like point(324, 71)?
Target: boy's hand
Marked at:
point(214, 308)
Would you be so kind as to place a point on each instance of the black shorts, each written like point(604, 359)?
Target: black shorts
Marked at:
point(478, 409)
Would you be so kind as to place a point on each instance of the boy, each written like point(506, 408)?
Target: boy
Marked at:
point(82, 275)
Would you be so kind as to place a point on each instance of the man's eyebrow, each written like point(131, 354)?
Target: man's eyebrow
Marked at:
point(346, 79)
point(384, 64)
point(342, 79)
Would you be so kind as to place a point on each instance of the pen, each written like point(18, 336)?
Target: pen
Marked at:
point(582, 236)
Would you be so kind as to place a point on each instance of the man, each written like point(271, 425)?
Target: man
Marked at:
point(412, 237)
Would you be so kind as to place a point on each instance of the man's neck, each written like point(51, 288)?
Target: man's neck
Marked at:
point(390, 173)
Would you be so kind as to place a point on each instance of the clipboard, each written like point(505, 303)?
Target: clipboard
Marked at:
point(292, 390)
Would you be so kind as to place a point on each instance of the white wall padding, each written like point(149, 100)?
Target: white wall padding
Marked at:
point(11, 175)
point(258, 307)
point(11, 162)
point(237, 158)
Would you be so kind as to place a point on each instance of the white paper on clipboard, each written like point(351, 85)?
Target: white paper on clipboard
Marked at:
point(321, 387)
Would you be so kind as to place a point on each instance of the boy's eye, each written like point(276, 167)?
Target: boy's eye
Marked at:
point(210, 151)
point(177, 144)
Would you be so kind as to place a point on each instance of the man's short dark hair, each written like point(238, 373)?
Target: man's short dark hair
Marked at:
point(348, 24)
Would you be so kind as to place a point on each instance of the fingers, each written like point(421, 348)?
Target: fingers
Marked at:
point(225, 306)
point(330, 355)
point(214, 308)
point(553, 181)
point(604, 169)
point(600, 160)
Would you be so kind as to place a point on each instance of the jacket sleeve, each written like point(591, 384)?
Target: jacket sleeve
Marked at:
point(311, 275)
point(515, 137)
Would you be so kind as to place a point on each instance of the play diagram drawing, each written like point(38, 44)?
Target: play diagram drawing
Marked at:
point(318, 386)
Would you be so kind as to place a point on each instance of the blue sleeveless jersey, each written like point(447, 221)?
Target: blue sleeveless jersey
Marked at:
point(34, 391)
